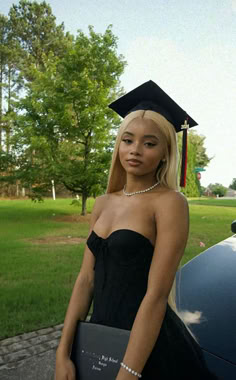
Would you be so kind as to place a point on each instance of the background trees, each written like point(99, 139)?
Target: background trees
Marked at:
point(61, 128)
point(197, 157)
point(233, 184)
point(54, 121)
point(217, 189)
point(26, 35)
point(35, 33)
point(66, 124)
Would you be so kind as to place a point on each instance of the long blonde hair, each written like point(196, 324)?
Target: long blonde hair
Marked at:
point(166, 171)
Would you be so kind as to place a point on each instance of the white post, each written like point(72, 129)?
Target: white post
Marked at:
point(53, 191)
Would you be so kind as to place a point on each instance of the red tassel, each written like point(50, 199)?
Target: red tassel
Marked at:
point(183, 174)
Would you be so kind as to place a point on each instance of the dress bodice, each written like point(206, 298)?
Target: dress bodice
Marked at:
point(122, 262)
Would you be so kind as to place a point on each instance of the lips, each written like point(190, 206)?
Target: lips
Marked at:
point(134, 162)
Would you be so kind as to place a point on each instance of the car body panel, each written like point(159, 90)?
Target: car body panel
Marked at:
point(207, 284)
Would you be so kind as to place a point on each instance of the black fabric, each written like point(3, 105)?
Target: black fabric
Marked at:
point(151, 106)
point(121, 273)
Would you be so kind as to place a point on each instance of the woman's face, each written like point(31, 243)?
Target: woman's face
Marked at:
point(142, 147)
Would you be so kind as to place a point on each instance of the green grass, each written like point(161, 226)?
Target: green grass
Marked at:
point(210, 224)
point(213, 202)
point(36, 279)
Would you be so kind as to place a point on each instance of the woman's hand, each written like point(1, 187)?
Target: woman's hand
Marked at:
point(65, 369)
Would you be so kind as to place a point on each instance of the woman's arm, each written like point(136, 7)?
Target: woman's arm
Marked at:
point(79, 304)
point(171, 217)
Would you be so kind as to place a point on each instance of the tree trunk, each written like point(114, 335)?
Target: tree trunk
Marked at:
point(84, 192)
point(84, 200)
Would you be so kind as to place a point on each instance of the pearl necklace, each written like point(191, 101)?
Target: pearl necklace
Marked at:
point(140, 191)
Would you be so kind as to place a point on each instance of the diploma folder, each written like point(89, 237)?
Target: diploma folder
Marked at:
point(98, 350)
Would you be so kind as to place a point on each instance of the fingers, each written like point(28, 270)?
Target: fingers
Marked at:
point(65, 370)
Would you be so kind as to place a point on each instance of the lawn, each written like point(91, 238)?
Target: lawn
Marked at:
point(36, 275)
point(213, 202)
point(210, 222)
point(41, 247)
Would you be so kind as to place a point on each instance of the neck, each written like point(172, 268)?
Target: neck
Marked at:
point(136, 183)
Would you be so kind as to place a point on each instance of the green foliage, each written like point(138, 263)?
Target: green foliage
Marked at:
point(26, 36)
point(217, 189)
point(8, 81)
point(35, 33)
point(192, 188)
point(197, 157)
point(202, 190)
point(233, 184)
point(76, 202)
point(67, 128)
point(202, 159)
point(60, 127)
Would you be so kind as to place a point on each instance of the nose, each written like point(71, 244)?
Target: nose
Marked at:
point(136, 150)
point(135, 153)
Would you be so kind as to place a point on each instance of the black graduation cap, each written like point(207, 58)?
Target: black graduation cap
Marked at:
point(149, 96)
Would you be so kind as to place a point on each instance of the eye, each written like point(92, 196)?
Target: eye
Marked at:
point(127, 141)
point(149, 144)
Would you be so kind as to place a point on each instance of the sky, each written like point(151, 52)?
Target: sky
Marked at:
point(188, 47)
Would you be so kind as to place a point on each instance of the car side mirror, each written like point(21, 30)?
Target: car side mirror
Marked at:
point(233, 226)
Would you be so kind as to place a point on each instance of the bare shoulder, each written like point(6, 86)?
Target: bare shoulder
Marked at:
point(100, 203)
point(173, 196)
point(171, 201)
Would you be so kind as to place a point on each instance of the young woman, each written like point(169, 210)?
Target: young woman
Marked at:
point(138, 233)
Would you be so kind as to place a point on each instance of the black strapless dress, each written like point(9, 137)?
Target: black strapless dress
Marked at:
point(121, 272)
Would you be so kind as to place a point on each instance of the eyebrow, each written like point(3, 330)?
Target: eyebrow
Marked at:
point(145, 136)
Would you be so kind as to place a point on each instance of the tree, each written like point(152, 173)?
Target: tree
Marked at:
point(202, 159)
point(27, 36)
point(29, 33)
point(7, 72)
point(3, 34)
point(233, 184)
point(197, 157)
point(32, 33)
point(217, 189)
point(203, 189)
point(8, 91)
point(66, 130)
point(34, 30)
point(192, 188)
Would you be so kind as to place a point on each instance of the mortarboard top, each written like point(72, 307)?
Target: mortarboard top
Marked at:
point(149, 96)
